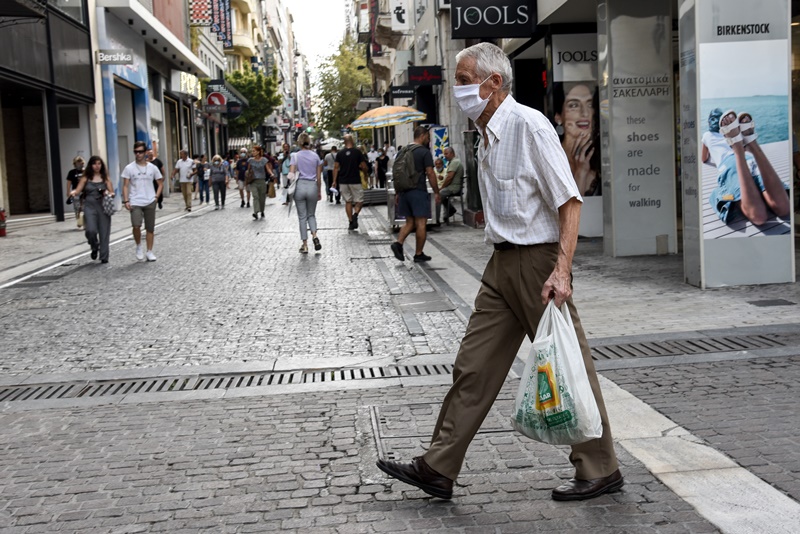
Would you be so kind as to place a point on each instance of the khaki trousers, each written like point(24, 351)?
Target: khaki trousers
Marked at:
point(507, 308)
point(186, 191)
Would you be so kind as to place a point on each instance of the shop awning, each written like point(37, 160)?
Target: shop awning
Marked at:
point(141, 19)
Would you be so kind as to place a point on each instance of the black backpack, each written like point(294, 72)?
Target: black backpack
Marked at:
point(404, 173)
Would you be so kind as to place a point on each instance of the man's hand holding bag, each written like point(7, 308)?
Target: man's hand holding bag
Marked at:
point(554, 402)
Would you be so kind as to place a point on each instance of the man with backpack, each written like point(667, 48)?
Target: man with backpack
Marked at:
point(412, 166)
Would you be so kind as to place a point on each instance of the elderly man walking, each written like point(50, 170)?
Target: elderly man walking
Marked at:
point(532, 208)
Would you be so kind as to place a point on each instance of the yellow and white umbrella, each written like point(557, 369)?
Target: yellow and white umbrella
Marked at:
point(387, 116)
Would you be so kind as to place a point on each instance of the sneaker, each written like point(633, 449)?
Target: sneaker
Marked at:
point(262, 214)
point(397, 248)
point(222, 207)
point(189, 210)
point(152, 257)
point(317, 244)
point(419, 258)
point(352, 226)
point(216, 208)
point(303, 249)
point(255, 217)
point(94, 253)
point(355, 221)
point(139, 253)
point(248, 204)
point(242, 204)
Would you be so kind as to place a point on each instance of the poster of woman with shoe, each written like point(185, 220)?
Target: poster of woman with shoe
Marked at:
point(746, 142)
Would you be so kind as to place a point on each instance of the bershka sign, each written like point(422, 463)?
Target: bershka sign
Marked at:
point(123, 56)
point(483, 19)
point(424, 76)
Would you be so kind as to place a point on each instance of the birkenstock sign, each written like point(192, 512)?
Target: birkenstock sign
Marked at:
point(743, 29)
point(485, 19)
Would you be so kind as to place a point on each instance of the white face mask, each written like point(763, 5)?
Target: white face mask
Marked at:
point(468, 98)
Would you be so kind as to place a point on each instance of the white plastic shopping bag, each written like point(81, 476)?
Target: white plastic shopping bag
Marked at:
point(554, 402)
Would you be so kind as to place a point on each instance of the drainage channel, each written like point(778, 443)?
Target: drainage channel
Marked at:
point(105, 388)
point(674, 347)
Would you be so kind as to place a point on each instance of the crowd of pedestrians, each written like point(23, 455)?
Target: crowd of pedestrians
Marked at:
point(299, 172)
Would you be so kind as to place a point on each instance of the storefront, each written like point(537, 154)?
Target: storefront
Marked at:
point(45, 98)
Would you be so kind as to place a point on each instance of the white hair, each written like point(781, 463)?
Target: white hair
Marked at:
point(489, 59)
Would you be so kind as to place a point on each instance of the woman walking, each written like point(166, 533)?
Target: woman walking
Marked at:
point(94, 184)
point(261, 170)
point(308, 168)
point(219, 180)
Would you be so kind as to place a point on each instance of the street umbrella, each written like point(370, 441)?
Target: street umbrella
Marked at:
point(387, 116)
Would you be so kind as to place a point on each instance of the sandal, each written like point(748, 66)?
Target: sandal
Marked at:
point(303, 249)
point(317, 245)
point(747, 128)
point(731, 131)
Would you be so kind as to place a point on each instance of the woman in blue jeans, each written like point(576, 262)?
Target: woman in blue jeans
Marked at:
point(307, 168)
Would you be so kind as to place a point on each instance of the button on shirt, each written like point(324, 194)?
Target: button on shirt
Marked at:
point(524, 176)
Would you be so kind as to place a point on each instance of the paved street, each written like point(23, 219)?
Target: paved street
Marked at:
point(229, 295)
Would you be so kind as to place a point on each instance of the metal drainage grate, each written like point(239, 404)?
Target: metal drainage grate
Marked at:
point(685, 346)
point(104, 388)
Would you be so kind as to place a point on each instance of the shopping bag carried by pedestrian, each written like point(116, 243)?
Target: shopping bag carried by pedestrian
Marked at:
point(364, 180)
point(554, 402)
point(271, 189)
point(108, 205)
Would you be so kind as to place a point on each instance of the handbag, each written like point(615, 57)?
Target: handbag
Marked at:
point(291, 183)
point(249, 175)
point(81, 220)
point(555, 403)
point(364, 180)
point(271, 189)
point(109, 206)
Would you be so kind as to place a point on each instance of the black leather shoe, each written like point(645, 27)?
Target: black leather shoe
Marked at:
point(419, 474)
point(397, 250)
point(579, 490)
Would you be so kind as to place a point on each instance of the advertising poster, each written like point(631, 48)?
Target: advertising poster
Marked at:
point(744, 125)
point(574, 110)
point(639, 188)
point(439, 141)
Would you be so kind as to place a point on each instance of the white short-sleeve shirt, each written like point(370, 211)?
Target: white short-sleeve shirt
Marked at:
point(141, 191)
point(184, 169)
point(523, 176)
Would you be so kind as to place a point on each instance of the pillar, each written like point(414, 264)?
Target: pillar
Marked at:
point(637, 123)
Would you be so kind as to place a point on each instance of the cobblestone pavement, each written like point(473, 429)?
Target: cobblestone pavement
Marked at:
point(294, 463)
point(647, 293)
point(748, 410)
point(225, 288)
point(228, 290)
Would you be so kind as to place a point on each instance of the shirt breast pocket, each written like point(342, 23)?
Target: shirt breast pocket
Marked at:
point(503, 200)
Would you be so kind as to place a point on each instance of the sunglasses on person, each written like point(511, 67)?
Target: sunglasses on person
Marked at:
point(139, 151)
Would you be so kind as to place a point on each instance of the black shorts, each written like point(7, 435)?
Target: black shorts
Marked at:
point(414, 203)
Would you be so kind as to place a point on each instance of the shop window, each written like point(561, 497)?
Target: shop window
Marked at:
point(72, 8)
point(69, 118)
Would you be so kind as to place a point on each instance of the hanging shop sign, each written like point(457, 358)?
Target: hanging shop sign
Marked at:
point(425, 75)
point(484, 19)
point(401, 17)
point(402, 91)
point(185, 83)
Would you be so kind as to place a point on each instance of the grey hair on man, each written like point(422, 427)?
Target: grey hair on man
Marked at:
point(489, 59)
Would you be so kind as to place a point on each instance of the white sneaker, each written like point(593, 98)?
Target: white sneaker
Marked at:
point(139, 253)
point(150, 256)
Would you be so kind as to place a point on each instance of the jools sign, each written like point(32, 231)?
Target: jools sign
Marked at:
point(483, 19)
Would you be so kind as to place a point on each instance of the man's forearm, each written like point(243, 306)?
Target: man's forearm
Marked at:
point(569, 217)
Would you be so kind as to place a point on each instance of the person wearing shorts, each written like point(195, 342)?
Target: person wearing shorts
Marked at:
point(347, 179)
point(241, 176)
point(139, 197)
point(415, 203)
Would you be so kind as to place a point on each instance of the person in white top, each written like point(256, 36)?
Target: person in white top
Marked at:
point(185, 169)
point(532, 208)
point(372, 155)
point(139, 197)
point(746, 180)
